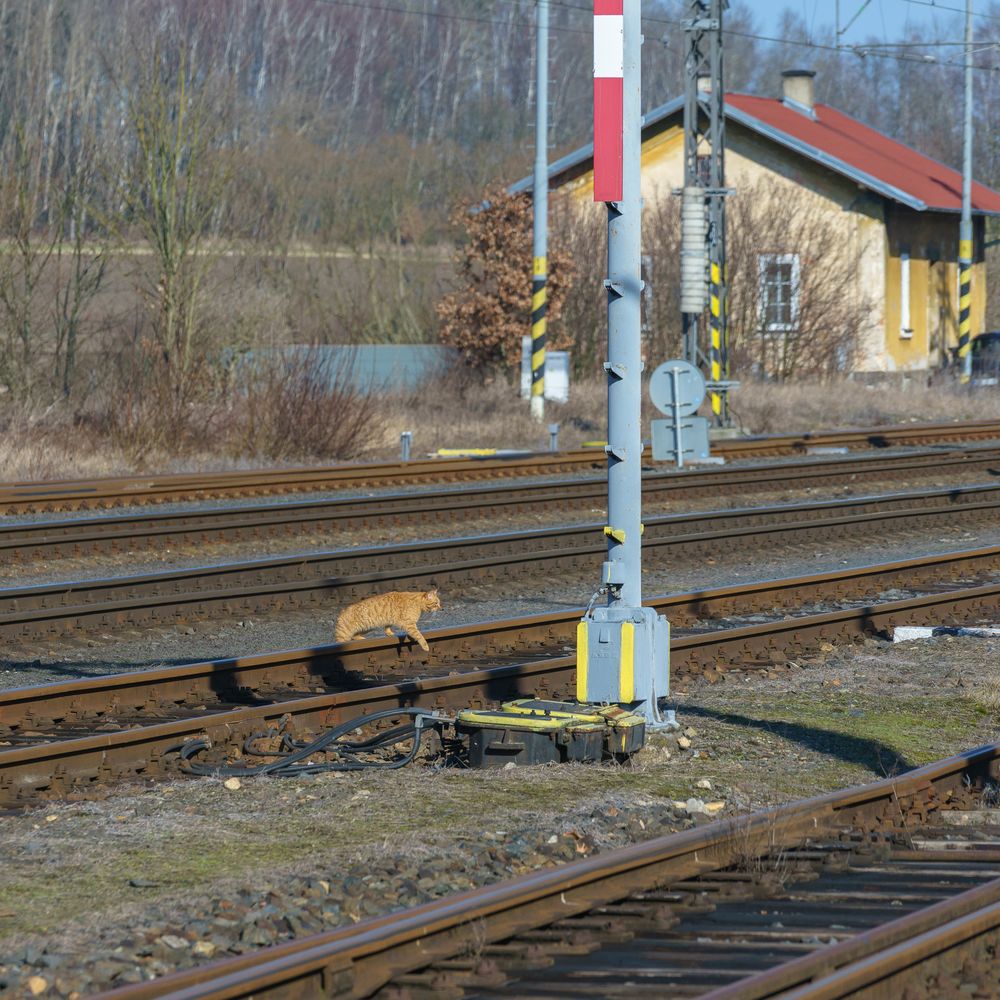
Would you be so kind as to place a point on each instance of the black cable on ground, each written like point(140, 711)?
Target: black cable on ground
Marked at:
point(292, 756)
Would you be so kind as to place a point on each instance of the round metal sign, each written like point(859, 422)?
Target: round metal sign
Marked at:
point(677, 382)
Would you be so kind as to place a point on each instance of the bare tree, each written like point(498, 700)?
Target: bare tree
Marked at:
point(797, 307)
point(24, 261)
point(174, 187)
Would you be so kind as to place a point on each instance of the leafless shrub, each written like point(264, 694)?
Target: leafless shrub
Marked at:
point(824, 322)
point(145, 414)
point(286, 408)
point(818, 333)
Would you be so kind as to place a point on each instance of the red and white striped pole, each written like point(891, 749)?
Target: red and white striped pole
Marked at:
point(609, 68)
point(622, 651)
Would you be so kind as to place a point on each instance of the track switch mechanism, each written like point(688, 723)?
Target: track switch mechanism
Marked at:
point(535, 731)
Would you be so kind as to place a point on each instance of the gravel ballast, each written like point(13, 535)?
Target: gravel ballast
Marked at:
point(105, 892)
point(132, 648)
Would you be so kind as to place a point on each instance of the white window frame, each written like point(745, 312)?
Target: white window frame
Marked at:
point(905, 327)
point(763, 260)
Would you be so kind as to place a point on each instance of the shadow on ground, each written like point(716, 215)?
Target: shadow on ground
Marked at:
point(877, 757)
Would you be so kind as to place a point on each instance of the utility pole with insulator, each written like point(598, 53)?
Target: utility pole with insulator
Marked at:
point(965, 227)
point(540, 204)
point(622, 648)
point(703, 207)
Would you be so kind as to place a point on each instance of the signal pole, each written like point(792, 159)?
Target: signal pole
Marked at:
point(540, 210)
point(965, 227)
point(622, 648)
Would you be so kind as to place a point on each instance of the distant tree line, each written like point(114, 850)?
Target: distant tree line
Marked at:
point(181, 175)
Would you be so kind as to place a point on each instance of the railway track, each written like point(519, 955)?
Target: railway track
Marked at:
point(66, 739)
point(26, 497)
point(31, 613)
point(63, 538)
point(867, 891)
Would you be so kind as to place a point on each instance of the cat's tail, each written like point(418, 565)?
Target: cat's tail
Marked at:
point(343, 631)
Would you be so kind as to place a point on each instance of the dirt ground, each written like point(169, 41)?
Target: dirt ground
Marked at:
point(169, 862)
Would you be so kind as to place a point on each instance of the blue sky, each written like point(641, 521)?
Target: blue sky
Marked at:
point(886, 20)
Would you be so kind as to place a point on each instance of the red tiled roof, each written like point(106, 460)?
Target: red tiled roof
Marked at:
point(835, 136)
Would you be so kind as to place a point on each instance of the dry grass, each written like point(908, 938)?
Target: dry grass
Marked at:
point(766, 408)
point(456, 412)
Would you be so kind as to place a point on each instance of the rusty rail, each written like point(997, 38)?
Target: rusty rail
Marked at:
point(56, 752)
point(19, 497)
point(310, 580)
point(584, 925)
point(61, 538)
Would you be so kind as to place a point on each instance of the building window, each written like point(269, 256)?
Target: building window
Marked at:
point(779, 291)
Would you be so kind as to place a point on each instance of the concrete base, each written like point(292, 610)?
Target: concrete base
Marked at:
point(623, 658)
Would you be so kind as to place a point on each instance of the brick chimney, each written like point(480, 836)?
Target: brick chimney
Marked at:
point(797, 90)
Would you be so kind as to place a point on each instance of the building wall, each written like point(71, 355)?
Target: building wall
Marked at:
point(932, 242)
point(871, 229)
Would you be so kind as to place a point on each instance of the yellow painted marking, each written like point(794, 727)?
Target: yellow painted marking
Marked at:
point(618, 534)
point(594, 444)
point(538, 358)
point(539, 266)
point(538, 300)
point(715, 274)
point(716, 336)
point(538, 388)
point(715, 306)
point(581, 661)
point(465, 451)
point(963, 349)
point(626, 674)
point(965, 249)
point(716, 372)
point(965, 302)
point(716, 403)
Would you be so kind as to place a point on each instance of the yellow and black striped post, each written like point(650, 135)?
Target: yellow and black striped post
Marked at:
point(538, 329)
point(725, 341)
point(964, 309)
point(715, 328)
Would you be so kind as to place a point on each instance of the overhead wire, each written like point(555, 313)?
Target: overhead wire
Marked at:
point(954, 10)
point(862, 51)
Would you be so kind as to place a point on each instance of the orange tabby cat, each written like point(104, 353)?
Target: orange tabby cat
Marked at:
point(399, 608)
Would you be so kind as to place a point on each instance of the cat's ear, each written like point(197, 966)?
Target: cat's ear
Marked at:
point(431, 593)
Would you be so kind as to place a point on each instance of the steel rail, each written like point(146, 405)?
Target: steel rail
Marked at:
point(59, 767)
point(369, 661)
point(840, 969)
point(359, 960)
point(164, 598)
point(53, 539)
point(68, 494)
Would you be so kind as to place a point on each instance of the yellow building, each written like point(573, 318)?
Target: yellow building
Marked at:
point(894, 209)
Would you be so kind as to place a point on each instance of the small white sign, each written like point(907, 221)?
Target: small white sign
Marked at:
point(556, 373)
